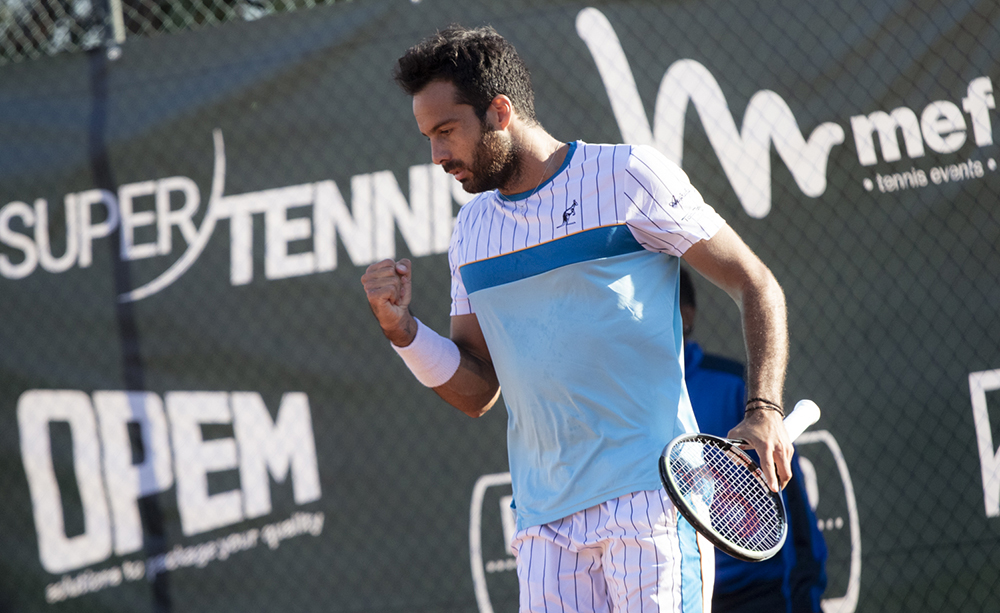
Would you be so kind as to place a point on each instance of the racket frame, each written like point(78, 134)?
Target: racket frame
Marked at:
point(697, 520)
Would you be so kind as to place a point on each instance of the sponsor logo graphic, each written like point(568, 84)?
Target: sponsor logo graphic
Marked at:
point(568, 214)
point(129, 445)
point(294, 244)
point(831, 495)
point(745, 154)
point(491, 530)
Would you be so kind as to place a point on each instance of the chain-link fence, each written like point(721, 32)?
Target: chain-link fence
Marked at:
point(198, 412)
point(36, 28)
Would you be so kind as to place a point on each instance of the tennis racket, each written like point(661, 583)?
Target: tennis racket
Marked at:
point(720, 490)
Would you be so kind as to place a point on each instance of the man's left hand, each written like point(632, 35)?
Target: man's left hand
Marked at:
point(764, 430)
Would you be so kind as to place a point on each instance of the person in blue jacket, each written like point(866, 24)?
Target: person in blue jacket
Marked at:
point(792, 581)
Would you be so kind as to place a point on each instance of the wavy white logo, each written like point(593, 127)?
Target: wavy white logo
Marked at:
point(745, 154)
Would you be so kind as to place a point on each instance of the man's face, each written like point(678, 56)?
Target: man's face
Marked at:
point(478, 156)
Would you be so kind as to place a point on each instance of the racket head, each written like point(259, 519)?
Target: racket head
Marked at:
point(719, 489)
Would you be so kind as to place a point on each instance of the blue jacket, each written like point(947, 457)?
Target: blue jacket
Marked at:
point(718, 395)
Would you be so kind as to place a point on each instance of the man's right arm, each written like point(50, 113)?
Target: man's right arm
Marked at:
point(473, 388)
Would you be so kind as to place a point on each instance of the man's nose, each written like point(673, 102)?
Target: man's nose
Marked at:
point(439, 153)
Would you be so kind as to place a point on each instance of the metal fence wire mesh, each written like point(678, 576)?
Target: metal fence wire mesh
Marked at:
point(198, 412)
point(36, 28)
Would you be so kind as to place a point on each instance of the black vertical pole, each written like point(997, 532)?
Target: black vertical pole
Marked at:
point(133, 372)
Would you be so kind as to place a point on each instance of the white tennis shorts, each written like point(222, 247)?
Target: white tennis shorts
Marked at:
point(627, 555)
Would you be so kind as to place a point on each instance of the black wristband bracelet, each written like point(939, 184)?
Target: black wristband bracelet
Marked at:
point(763, 403)
point(764, 407)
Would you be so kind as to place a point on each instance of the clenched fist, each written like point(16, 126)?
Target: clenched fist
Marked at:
point(388, 285)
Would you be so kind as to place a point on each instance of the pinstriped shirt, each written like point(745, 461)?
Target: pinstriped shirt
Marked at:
point(574, 285)
point(597, 185)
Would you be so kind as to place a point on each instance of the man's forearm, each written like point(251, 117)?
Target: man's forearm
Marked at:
point(474, 387)
point(765, 329)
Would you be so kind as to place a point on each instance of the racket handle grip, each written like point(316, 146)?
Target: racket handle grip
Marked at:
point(805, 414)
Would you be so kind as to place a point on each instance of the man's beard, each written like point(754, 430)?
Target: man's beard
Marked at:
point(496, 162)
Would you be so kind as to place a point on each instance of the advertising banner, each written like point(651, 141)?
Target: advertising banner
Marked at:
point(198, 411)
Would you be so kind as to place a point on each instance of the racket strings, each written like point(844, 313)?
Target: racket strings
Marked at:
point(726, 493)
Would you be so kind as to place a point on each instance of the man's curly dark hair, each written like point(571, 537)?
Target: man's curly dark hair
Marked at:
point(479, 62)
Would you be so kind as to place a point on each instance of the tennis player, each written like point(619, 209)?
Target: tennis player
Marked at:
point(564, 294)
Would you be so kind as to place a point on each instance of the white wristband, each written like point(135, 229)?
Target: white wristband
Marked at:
point(431, 357)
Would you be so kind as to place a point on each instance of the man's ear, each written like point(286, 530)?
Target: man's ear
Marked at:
point(500, 112)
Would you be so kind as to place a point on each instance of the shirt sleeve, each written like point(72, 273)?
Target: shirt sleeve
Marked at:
point(460, 304)
point(666, 213)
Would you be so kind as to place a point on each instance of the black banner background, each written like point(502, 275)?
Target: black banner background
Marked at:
point(892, 293)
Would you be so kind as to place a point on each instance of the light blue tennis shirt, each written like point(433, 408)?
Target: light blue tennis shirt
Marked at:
point(575, 288)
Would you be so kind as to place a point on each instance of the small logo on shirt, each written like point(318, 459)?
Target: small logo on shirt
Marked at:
point(567, 214)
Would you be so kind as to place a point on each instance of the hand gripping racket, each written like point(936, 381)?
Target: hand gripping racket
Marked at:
point(722, 493)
